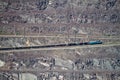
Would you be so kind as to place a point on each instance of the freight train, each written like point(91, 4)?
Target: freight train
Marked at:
point(56, 45)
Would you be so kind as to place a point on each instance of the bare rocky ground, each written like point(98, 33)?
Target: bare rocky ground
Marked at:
point(91, 18)
point(54, 18)
point(65, 60)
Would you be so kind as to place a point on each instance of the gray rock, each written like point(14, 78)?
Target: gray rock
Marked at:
point(110, 4)
point(42, 4)
point(63, 63)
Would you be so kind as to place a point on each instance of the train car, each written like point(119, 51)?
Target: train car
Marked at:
point(95, 42)
point(56, 45)
point(85, 43)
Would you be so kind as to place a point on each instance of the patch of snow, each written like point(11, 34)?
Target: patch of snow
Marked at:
point(50, 2)
point(53, 78)
point(86, 76)
point(63, 68)
point(81, 32)
point(64, 63)
point(27, 76)
point(37, 41)
point(2, 63)
point(45, 64)
point(99, 77)
point(78, 52)
point(96, 62)
point(61, 77)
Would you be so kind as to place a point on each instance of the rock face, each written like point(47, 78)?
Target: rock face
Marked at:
point(99, 16)
point(4, 77)
point(42, 4)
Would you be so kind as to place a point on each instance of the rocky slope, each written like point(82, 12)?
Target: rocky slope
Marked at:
point(69, 19)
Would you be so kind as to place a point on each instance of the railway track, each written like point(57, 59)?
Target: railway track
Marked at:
point(59, 36)
point(61, 24)
point(60, 71)
point(60, 48)
point(88, 56)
